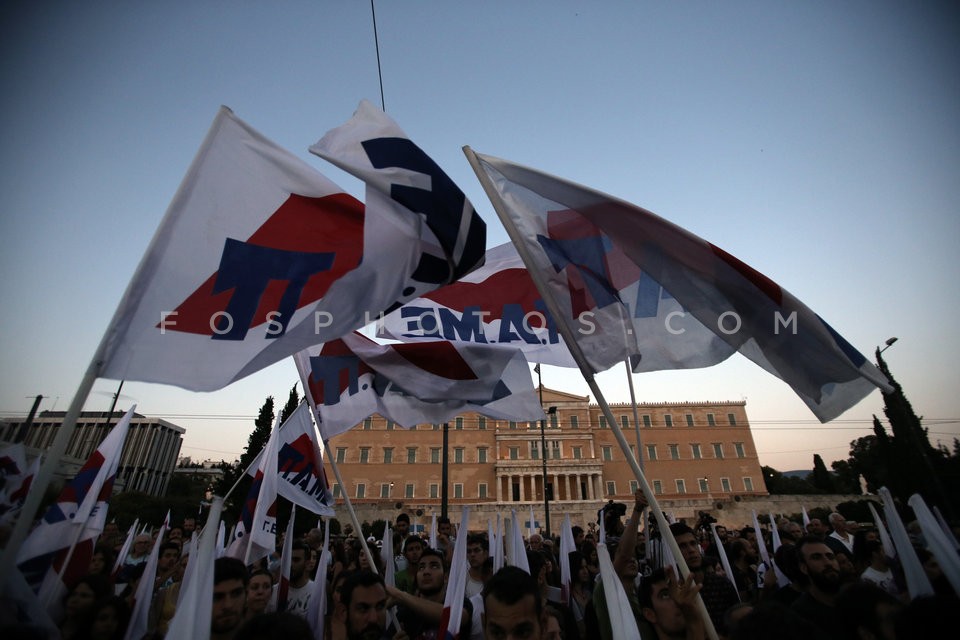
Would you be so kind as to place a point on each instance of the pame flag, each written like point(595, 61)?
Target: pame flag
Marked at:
point(257, 257)
point(16, 476)
point(739, 305)
point(57, 552)
point(256, 534)
point(499, 304)
point(301, 477)
point(350, 379)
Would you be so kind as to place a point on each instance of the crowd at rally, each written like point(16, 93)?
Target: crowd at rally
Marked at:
point(828, 582)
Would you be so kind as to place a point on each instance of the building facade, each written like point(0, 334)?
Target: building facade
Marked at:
point(696, 456)
point(149, 453)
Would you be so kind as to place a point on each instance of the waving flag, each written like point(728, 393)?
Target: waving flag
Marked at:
point(138, 625)
point(17, 476)
point(583, 243)
point(456, 585)
point(316, 615)
point(354, 377)
point(57, 552)
point(258, 256)
point(403, 182)
point(567, 546)
point(301, 479)
point(286, 555)
point(195, 604)
point(256, 533)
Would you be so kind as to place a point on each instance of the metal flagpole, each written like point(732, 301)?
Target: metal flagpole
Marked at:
point(567, 332)
point(636, 417)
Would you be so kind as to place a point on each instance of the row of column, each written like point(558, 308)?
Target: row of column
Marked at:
point(528, 487)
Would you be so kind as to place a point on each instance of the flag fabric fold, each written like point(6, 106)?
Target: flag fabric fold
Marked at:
point(317, 613)
point(918, 584)
point(583, 243)
point(567, 546)
point(195, 604)
point(456, 584)
point(283, 589)
point(352, 378)
point(256, 534)
point(138, 625)
point(57, 552)
point(937, 541)
point(622, 623)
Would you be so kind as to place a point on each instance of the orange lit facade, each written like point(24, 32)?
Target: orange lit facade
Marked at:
point(695, 456)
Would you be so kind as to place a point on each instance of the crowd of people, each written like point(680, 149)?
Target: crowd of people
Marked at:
point(828, 582)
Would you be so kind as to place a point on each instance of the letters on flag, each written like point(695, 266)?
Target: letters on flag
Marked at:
point(57, 552)
point(570, 232)
point(259, 256)
point(301, 479)
point(352, 378)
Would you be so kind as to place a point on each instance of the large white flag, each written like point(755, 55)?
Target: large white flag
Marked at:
point(431, 382)
point(584, 243)
point(58, 551)
point(456, 584)
point(257, 257)
point(138, 626)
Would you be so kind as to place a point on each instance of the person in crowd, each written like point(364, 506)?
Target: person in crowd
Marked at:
point(229, 598)
point(589, 551)
point(512, 608)
point(402, 526)
point(107, 620)
point(554, 628)
point(821, 582)
point(478, 550)
point(867, 611)
point(412, 549)
point(581, 589)
point(363, 606)
point(717, 593)
point(301, 586)
point(168, 559)
point(878, 570)
point(80, 601)
point(102, 560)
point(841, 537)
point(670, 606)
point(743, 564)
point(189, 526)
point(138, 556)
point(259, 592)
point(816, 528)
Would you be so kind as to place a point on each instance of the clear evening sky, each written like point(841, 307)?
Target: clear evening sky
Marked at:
point(817, 141)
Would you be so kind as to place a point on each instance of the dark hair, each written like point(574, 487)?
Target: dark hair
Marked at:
point(804, 541)
point(300, 545)
point(645, 593)
point(509, 585)
point(359, 579)
point(681, 528)
point(443, 520)
point(278, 624)
point(413, 540)
point(229, 569)
point(170, 545)
point(119, 605)
point(428, 551)
point(480, 539)
point(98, 583)
point(403, 518)
point(537, 561)
point(786, 560)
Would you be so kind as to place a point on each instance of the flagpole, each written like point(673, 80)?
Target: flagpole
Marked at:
point(39, 488)
point(566, 331)
point(636, 417)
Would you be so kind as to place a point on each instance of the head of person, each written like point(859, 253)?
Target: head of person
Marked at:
point(167, 558)
point(363, 606)
point(658, 607)
point(477, 550)
point(838, 522)
point(537, 562)
point(790, 532)
point(579, 572)
point(102, 560)
point(868, 611)
point(413, 547)
point(818, 565)
point(554, 627)
point(259, 591)
point(689, 547)
point(108, 618)
point(815, 527)
point(535, 542)
point(430, 578)
point(83, 595)
point(229, 595)
point(141, 545)
point(189, 526)
point(578, 536)
point(444, 527)
point(402, 524)
point(175, 533)
point(512, 606)
point(299, 556)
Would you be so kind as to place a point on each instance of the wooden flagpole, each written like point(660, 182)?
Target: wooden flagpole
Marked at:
point(567, 332)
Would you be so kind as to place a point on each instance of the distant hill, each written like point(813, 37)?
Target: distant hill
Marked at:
point(799, 473)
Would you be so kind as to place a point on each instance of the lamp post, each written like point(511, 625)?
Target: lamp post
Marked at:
point(543, 454)
point(889, 344)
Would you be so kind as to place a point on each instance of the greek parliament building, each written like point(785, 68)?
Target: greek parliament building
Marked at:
point(149, 453)
point(696, 456)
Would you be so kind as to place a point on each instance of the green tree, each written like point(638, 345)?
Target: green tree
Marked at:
point(232, 473)
point(293, 400)
point(820, 478)
point(779, 484)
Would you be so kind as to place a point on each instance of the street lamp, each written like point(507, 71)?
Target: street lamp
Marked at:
point(889, 344)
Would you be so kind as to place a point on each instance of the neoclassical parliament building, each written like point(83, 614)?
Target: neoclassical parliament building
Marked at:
point(695, 456)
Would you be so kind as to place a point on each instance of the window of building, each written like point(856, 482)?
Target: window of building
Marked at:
point(513, 424)
point(574, 422)
point(689, 419)
point(718, 450)
point(482, 423)
point(408, 491)
point(681, 486)
point(748, 484)
point(434, 455)
point(577, 453)
point(361, 490)
point(533, 425)
point(482, 490)
point(388, 455)
point(633, 487)
point(534, 450)
point(625, 422)
point(458, 490)
point(411, 455)
point(668, 420)
point(651, 452)
point(674, 451)
point(603, 422)
point(367, 424)
point(389, 425)
point(554, 420)
point(732, 419)
point(611, 488)
point(481, 455)
point(364, 455)
point(711, 421)
point(434, 490)
point(738, 447)
point(695, 450)
point(459, 423)
point(436, 427)
point(555, 447)
point(337, 491)
point(703, 485)
point(646, 421)
point(514, 453)
point(657, 487)
point(607, 453)
point(725, 484)
point(458, 455)
point(385, 490)
point(341, 454)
